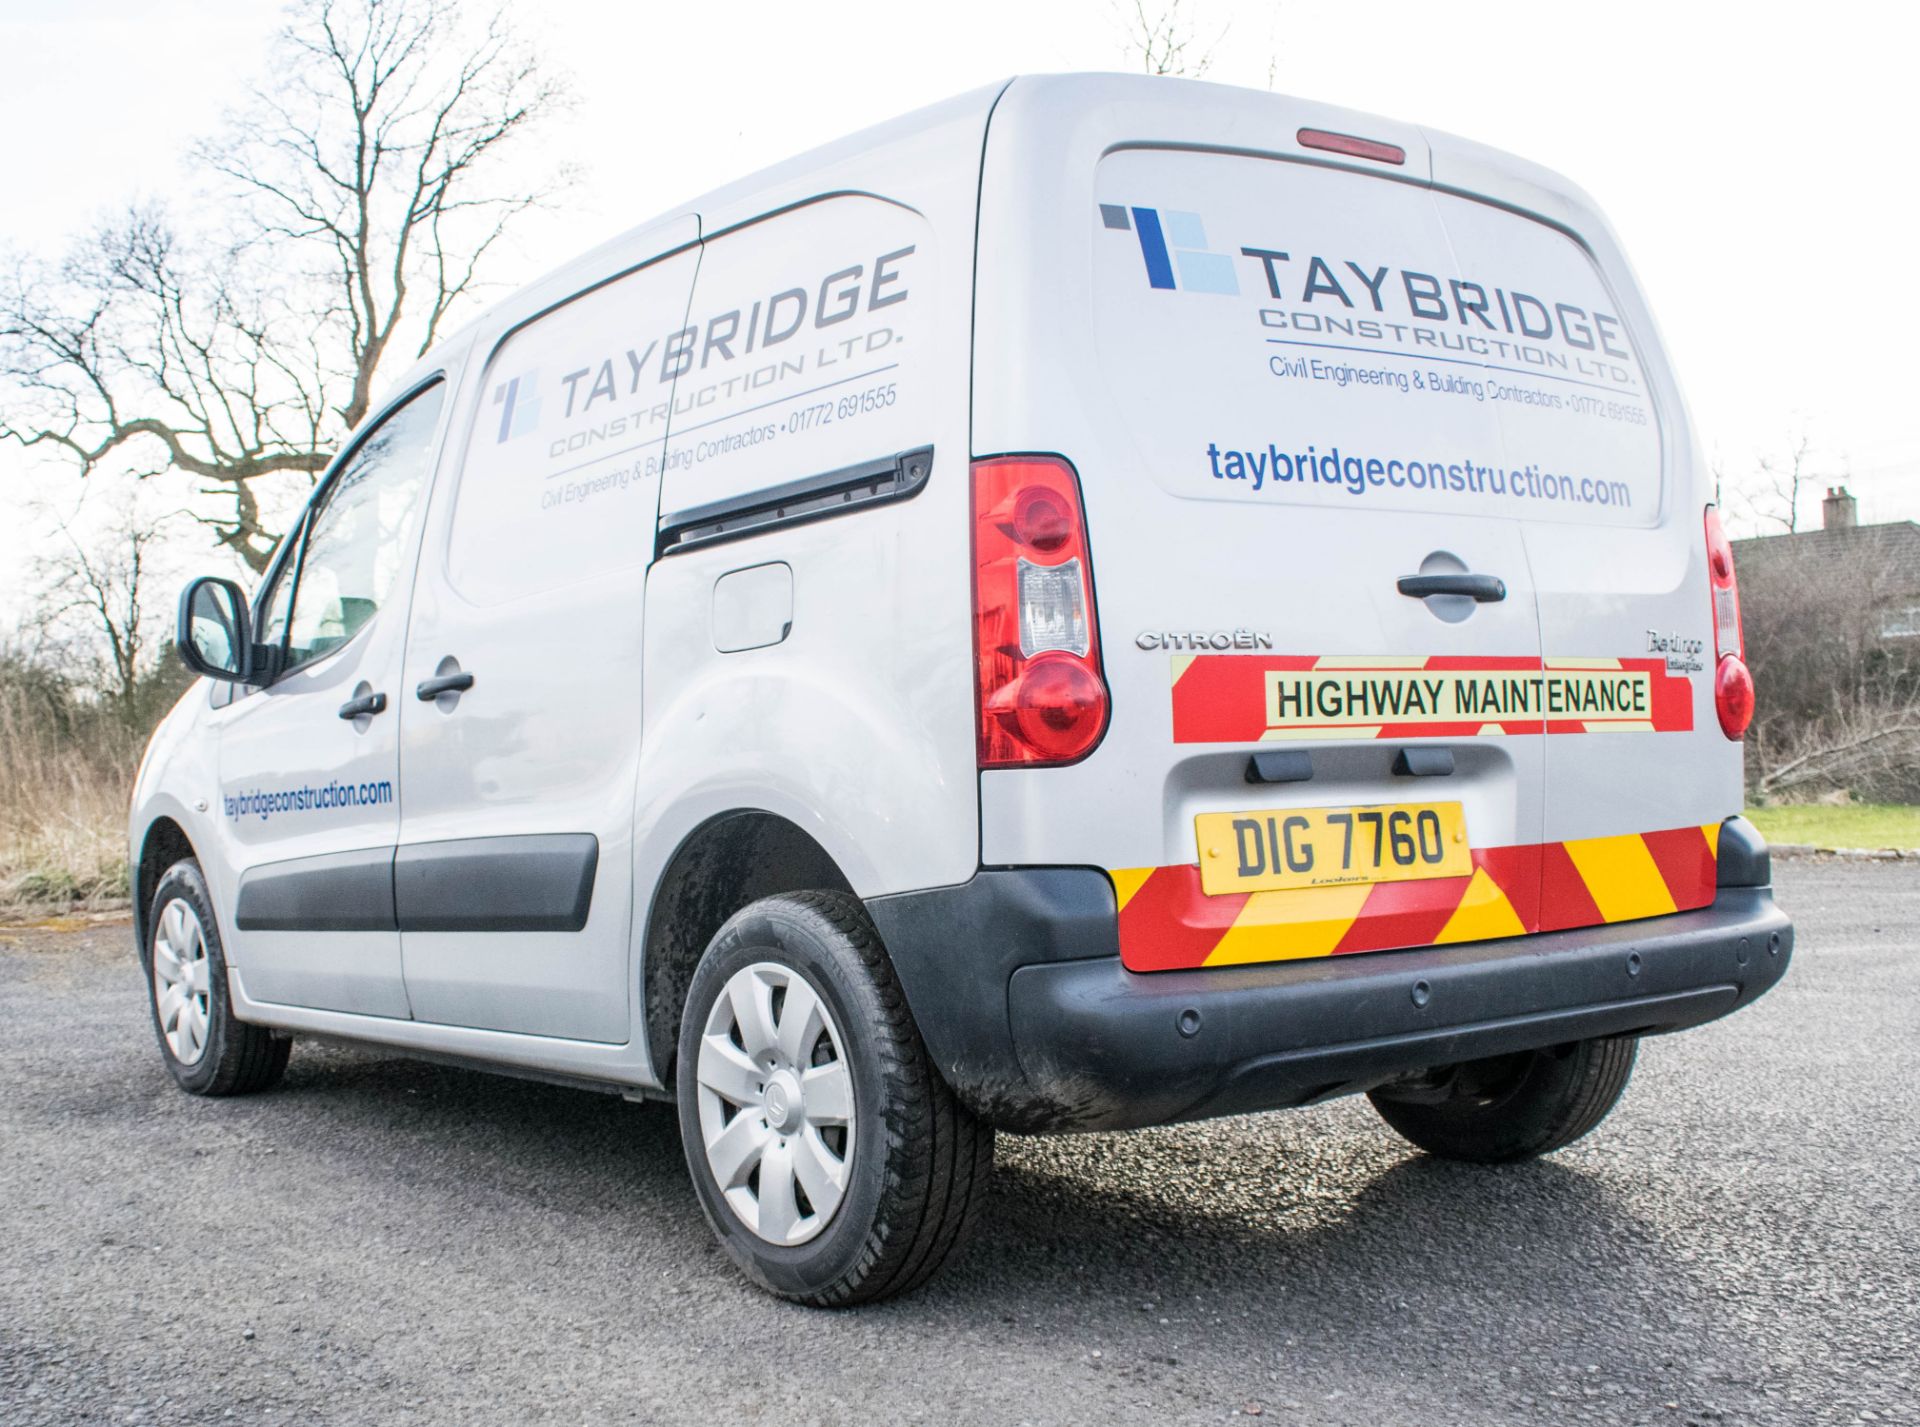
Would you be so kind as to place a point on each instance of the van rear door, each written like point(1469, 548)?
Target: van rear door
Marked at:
point(1632, 819)
point(1314, 412)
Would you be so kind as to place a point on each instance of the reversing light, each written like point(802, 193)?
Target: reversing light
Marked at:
point(1733, 692)
point(1351, 145)
point(1053, 610)
point(1042, 698)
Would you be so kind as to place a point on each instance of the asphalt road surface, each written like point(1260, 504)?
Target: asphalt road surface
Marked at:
point(385, 1241)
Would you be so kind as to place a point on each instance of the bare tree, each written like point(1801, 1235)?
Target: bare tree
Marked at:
point(1162, 39)
point(364, 188)
point(95, 614)
point(133, 356)
point(1773, 494)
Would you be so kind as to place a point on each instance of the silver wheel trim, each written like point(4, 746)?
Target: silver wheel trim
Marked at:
point(775, 1095)
point(182, 981)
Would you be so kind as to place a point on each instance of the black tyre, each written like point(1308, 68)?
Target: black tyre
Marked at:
point(205, 1048)
point(1513, 1106)
point(831, 1159)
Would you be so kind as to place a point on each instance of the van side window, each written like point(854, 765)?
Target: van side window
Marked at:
point(356, 536)
point(278, 599)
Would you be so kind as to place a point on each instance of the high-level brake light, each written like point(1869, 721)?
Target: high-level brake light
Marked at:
point(1042, 698)
point(1351, 145)
point(1733, 692)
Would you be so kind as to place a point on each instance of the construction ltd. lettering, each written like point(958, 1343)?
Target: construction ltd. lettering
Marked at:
point(739, 332)
point(1502, 321)
point(767, 343)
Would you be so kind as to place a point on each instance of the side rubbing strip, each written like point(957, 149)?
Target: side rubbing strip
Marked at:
point(336, 892)
point(542, 883)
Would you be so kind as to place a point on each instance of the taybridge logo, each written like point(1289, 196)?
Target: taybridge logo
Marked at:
point(1174, 247)
point(519, 407)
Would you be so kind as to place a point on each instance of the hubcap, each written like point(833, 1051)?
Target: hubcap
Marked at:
point(182, 981)
point(776, 1103)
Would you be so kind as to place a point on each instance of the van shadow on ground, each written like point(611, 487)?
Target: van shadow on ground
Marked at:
point(1317, 1217)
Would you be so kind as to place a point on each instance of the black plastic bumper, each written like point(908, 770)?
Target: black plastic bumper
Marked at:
point(1016, 983)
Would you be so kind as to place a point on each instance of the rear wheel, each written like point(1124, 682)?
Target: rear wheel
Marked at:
point(832, 1161)
point(1511, 1107)
point(207, 1051)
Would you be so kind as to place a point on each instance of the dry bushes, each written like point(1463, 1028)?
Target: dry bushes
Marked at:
point(66, 773)
point(1838, 678)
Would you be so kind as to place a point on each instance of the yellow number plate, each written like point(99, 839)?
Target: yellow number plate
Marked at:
point(1331, 847)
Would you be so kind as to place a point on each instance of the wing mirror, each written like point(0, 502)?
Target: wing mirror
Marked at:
point(215, 636)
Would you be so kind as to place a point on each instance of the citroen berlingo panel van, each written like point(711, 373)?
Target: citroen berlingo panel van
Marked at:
point(1104, 602)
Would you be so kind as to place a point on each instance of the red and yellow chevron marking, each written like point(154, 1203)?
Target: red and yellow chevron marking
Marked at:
point(1244, 698)
point(1167, 922)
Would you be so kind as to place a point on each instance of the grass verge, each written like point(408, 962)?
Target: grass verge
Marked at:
point(1849, 825)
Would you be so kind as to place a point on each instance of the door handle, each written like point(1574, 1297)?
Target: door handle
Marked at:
point(431, 689)
point(1481, 589)
point(364, 705)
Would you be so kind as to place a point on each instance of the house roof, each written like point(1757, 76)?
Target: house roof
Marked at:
point(1889, 553)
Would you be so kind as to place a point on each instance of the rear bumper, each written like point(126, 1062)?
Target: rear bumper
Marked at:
point(1016, 983)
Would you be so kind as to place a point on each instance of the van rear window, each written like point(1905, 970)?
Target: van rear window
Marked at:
point(1278, 332)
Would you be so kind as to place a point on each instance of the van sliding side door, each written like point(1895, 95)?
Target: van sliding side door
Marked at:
point(521, 710)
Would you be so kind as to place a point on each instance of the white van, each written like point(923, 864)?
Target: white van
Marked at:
point(1104, 602)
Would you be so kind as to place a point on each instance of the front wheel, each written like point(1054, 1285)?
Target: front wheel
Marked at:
point(832, 1161)
point(1511, 1107)
point(207, 1051)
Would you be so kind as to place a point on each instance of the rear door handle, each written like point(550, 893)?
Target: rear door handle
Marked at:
point(364, 705)
point(431, 689)
point(1482, 589)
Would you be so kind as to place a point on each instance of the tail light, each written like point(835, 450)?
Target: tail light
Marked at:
point(1732, 681)
point(1042, 698)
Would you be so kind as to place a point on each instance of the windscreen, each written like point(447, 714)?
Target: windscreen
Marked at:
point(1284, 333)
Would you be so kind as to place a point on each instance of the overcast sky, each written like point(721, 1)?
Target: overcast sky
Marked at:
point(1756, 159)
